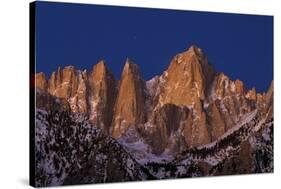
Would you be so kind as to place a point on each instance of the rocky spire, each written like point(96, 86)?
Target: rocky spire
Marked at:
point(188, 105)
point(72, 85)
point(129, 107)
point(102, 96)
point(188, 76)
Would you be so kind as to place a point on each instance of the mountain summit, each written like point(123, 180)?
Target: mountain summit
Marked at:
point(189, 121)
point(189, 105)
point(129, 109)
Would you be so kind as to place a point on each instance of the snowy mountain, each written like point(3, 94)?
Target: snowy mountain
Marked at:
point(71, 150)
point(190, 121)
point(246, 149)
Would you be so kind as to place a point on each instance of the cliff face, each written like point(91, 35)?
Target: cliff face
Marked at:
point(70, 84)
point(102, 95)
point(40, 81)
point(269, 102)
point(187, 106)
point(191, 121)
point(129, 108)
point(187, 78)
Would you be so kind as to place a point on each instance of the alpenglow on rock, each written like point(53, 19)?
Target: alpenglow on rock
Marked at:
point(189, 105)
point(190, 121)
point(129, 110)
point(102, 94)
point(188, 77)
point(70, 84)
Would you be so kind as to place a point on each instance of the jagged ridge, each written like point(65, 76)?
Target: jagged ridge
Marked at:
point(189, 106)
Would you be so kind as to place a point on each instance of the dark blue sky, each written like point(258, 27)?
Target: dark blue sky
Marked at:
point(241, 46)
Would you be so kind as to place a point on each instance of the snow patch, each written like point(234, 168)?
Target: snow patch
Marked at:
point(141, 151)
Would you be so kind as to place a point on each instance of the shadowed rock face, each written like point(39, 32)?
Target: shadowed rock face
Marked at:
point(269, 102)
point(129, 108)
point(188, 105)
point(166, 122)
point(216, 122)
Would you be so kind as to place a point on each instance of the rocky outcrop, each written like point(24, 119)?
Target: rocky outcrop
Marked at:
point(269, 102)
point(186, 83)
point(63, 83)
point(252, 94)
point(187, 77)
point(40, 81)
point(189, 121)
point(232, 100)
point(165, 124)
point(70, 84)
point(102, 96)
point(200, 134)
point(93, 95)
point(216, 121)
point(187, 106)
point(129, 108)
point(223, 87)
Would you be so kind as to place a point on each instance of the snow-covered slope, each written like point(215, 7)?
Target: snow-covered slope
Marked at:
point(137, 147)
point(70, 150)
point(247, 148)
